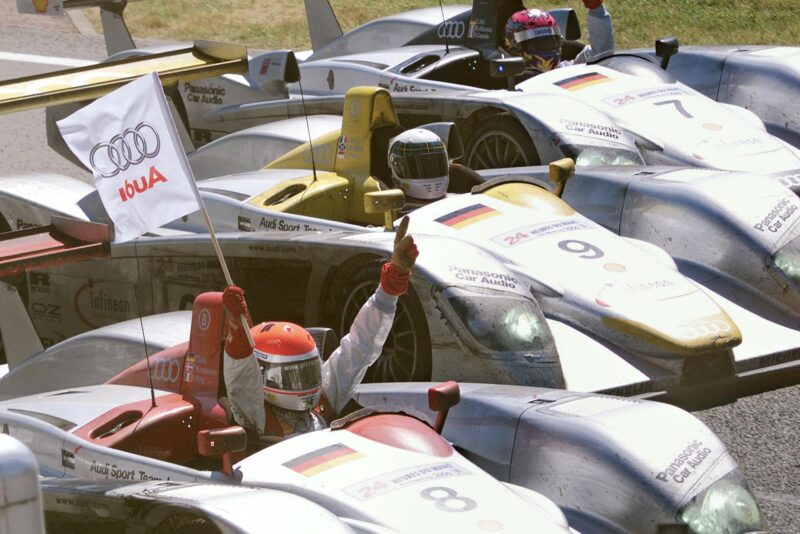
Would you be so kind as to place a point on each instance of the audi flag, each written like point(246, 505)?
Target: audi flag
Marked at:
point(129, 141)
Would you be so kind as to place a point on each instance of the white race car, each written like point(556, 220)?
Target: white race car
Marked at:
point(120, 447)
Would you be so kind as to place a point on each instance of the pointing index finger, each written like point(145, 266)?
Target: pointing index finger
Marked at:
point(401, 230)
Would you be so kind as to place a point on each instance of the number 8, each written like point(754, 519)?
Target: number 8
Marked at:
point(467, 504)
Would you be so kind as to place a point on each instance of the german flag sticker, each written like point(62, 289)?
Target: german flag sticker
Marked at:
point(467, 216)
point(582, 81)
point(320, 460)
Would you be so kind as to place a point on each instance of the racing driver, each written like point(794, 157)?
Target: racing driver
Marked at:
point(534, 35)
point(280, 387)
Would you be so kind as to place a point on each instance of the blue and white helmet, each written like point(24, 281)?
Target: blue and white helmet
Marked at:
point(418, 160)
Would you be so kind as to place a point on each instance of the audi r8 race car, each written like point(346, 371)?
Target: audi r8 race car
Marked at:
point(653, 325)
point(598, 114)
point(121, 447)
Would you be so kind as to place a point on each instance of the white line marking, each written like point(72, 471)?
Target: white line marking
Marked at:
point(45, 60)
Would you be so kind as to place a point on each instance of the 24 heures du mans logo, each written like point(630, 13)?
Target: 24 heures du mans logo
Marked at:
point(131, 147)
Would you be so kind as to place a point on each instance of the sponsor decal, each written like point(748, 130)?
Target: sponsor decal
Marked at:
point(166, 371)
point(614, 267)
point(483, 277)
point(141, 185)
point(478, 29)
point(206, 94)
point(321, 460)
point(789, 180)
point(401, 87)
point(45, 311)
point(243, 223)
point(685, 464)
point(24, 225)
point(96, 306)
point(468, 216)
point(131, 147)
point(265, 63)
point(588, 128)
point(283, 226)
point(704, 328)
point(582, 81)
point(381, 484)
point(527, 233)
point(778, 216)
point(451, 29)
point(624, 99)
point(713, 126)
point(109, 470)
point(341, 147)
point(67, 459)
point(331, 79)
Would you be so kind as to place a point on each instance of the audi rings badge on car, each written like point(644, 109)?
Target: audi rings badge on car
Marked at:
point(131, 147)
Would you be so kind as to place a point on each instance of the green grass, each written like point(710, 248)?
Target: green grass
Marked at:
point(281, 23)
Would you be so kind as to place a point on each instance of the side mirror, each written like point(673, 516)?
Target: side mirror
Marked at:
point(325, 339)
point(450, 135)
point(222, 442)
point(386, 202)
point(441, 398)
point(561, 171)
point(507, 67)
point(272, 71)
point(666, 47)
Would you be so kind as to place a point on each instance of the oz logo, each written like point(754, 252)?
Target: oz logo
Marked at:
point(204, 320)
point(451, 29)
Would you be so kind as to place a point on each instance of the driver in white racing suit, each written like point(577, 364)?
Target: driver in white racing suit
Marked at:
point(280, 387)
point(534, 35)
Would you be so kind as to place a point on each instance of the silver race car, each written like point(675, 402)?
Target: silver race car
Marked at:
point(120, 447)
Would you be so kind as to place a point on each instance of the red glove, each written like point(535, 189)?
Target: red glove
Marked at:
point(396, 274)
point(592, 4)
point(237, 345)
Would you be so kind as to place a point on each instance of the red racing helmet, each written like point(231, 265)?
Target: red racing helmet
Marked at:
point(290, 365)
point(534, 35)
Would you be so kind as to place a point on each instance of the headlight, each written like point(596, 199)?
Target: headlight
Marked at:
point(592, 156)
point(787, 259)
point(726, 507)
point(500, 321)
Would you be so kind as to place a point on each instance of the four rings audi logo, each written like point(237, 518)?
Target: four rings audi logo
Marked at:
point(451, 29)
point(131, 147)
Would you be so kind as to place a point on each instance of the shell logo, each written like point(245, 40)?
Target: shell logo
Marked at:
point(40, 5)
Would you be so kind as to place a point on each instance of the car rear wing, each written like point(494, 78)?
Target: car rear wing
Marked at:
point(117, 35)
point(62, 241)
point(203, 59)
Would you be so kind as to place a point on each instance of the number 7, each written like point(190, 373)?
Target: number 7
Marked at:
point(678, 105)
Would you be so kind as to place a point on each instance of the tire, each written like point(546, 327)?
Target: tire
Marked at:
point(407, 352)
point(500, 141)
point(186, 523)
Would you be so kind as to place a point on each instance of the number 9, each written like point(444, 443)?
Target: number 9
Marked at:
point(586, 251)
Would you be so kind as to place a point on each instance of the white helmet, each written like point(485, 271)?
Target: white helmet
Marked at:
point(418, 159)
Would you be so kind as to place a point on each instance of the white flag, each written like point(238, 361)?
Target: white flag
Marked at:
point(129, 141)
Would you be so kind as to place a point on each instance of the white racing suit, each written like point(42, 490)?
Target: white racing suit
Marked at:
point(341, 373)
point(601, 36)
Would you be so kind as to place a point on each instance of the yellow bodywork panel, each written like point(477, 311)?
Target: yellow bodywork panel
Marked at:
point(365, 109)
point(530, 196)
point(325, 198)
point(203, 60)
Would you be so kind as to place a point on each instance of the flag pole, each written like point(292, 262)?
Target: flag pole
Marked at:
point(222, 263)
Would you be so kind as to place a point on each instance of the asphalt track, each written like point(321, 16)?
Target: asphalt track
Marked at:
point(762, 432)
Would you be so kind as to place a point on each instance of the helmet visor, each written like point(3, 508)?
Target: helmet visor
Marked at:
point(420, 161)
point(292, 376)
